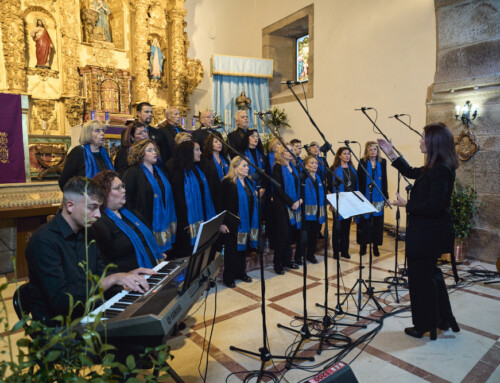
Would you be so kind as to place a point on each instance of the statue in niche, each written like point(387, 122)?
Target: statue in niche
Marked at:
point(156, 60)
point(243, 102)
point(43, 45)
point(102, 21)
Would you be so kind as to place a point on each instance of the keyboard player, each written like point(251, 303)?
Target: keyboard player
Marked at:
point(57, 249)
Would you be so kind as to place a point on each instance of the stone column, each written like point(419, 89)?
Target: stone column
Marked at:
point(468, 68)
point(140, 48)
point(178, 56)
point(13, 45)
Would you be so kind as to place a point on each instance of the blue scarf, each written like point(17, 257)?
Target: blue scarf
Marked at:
point(143, 259)
point(339, 172)
point(91, 167)
point(194, 203)
point(377, 177)
point(260, 161)
point(293, 193)
point(221, 170)
point(272, 159)
point(298, 167)
point(312, 204)
point(164, 218)
point(246, 227)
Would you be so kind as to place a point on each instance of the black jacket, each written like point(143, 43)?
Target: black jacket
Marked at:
point(429, 231)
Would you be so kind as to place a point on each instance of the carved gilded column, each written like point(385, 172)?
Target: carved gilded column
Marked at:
point(177, 91)
point(70, 25)
point(140, 48)
point(13, 45)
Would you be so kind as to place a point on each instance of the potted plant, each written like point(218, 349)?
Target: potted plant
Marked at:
point(464, 205)
point(278, 119)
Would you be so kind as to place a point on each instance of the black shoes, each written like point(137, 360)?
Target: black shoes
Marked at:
point(414, 332)
point(299, 262)
point(231, 285)
point(312, 259)
point(362, 249)
point(292, 265)
point(345, 255)
point(376, 252)
point(452, 322)
point(279, 270)
point(246, 278)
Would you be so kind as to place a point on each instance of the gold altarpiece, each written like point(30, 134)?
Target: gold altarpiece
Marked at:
point(91, 66)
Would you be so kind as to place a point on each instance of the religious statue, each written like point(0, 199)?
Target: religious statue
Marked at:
point(156, 60)
point(243, 102)
point(102, 21)
point(43, 45)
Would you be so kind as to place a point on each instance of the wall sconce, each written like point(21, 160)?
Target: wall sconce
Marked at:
point(466, 113)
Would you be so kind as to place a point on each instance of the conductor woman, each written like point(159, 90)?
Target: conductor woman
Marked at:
point(429, 229)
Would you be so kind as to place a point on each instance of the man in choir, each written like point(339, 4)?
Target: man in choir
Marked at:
point(170, 128)
point(297, 150)
point(206, 122)
point(236, 137)
point(57, 249)
point(145, 116)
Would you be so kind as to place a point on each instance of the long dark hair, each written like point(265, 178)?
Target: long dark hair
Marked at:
point(208, 145)
point(184, 155)
point(104, 179)
point(336, 161)
point(246, 139)
point(440, 146)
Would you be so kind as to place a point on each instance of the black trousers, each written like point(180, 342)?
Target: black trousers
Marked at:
point(340, 237)
point(430, 304)
point(312, 229)
point(366, 233)
point(235, 263)
point(282, 243)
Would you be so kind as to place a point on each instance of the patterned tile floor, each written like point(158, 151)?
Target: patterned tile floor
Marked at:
point(472, 355)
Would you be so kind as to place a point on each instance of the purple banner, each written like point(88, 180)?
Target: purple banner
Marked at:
point(11, 140)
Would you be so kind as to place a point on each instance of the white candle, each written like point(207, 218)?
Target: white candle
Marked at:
point(225, 117)
point(230, 121)
point(255, 120)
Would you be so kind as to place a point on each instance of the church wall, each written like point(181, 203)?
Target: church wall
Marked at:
point(378, 54)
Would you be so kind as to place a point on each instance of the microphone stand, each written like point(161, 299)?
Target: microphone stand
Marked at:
point(328, 322)
point(360, 281)
point(264, 354)
point(304, 331)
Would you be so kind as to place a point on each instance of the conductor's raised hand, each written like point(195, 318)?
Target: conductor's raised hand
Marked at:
point(386, 146)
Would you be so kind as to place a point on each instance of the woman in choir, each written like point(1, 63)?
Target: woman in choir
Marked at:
point(149, 192)
point(136, 131)
point(253, 149)
point(274, 144)
point(241, 200)
point(429, 231)
point(193, 201)
point(314, 196)
point(372, 232)
point(314, 151)
point(179, 137)
point(122, 235)
point(215, 165)
point(269, 215)
point(344, 169)
point(287, 202)
point(90, 157)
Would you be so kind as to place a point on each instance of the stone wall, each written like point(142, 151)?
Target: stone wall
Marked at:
point(468, 68)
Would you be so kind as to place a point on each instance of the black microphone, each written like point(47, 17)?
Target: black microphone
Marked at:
point(262, 113)
point(398, 115)
point(363, 108)
point(348, 142)
point(290, 82)
point(306, 147)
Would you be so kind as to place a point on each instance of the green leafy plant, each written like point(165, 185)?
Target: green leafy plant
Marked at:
point(464, 205)
point(278, 118)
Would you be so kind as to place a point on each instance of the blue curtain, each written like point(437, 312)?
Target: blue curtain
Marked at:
point(227, 88)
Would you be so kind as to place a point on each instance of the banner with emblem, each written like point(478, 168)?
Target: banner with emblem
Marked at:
point(11, 140)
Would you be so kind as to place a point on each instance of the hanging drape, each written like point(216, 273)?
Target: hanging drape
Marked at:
point(233, 75)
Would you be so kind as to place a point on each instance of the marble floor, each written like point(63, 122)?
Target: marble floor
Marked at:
point(381, 352)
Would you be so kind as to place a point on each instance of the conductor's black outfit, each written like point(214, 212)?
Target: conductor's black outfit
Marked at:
point(429, 234)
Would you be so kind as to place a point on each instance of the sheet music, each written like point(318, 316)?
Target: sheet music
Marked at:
point(350, 205)
point(201, 227)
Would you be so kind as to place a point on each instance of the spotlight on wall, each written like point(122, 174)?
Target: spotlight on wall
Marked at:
point(466, 113)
